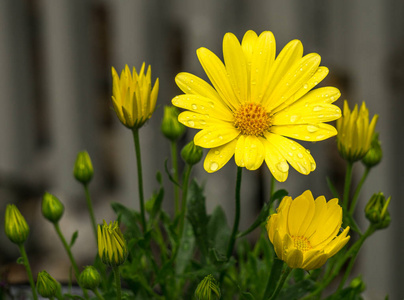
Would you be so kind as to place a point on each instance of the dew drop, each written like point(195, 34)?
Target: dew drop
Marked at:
point(191, 81)
point(320, 137)
point(312, 166)
point(308, 151)
point(220, 137)
point(306, 86)
point(301, 69)
point(191, 123)
point(282, 166)
point(194, 106)
point(202, 107)
point(318, 108)
point(299, 155)
point(293, 118)
point(214, 166)
point(290, 154)
point(189, 89)
point(316, 82)
point(312, 128)
point(303, 170)
point(217, 152)
point(332, 98)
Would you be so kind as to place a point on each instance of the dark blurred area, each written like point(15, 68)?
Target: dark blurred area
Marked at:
point(55, 87)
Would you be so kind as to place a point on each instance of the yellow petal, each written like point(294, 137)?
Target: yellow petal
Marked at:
point(294, 153)
point(191, 84)
point(219, 156)
point(330, 221)
point(203, 106)
point(197, 121)
point(338, 243)
point(275, 161)
point(296, 77)
point(310, 255)
point(294, 259)
point(236, 66)
point(217, 74)
point(320, 208)
point(262, 61)
point(301, 213)
point(310, 132)
point(249, 152)
point(316, 262)
point(248, 44)
point(216, 136)
point(278, 244)
point(271, 226)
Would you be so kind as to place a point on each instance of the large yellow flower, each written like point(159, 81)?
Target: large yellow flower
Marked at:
point(133, 98)
point(355, 132)
point(304, 231)
point(256, 102)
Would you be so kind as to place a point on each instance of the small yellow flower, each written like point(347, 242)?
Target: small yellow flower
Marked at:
point(355, 132)
point(15, 226)
point(304, 231)
point(133, 98)
point(111, 244)
point(257, 103)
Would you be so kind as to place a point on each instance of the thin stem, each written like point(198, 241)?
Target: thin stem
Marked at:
point(357, 191)
point(117, 282)
point(71, 257)
point(354, 254)
point(347, 185)
point(187, 173)
point(139, 176)
point(174, 161)
point(237, 215)
point(90, 210)
point(28, 268)
point(97, 293)
point(273, 278)
point(281, 282)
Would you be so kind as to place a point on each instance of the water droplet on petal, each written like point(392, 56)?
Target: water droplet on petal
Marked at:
point(191, 81)
point(202, 107)
point(312, 166)
point(290, 154)
point(283, 166)
point(306, 86)
point(318, 108)
point(302, 169)
point(320, 137)
point(191, 123)
point(293, 118)
point(194, 106)
point(312, 128)
point(217, 152)
point(220, 137)
point(308, 151)
point(299, 155)
point(214, 166)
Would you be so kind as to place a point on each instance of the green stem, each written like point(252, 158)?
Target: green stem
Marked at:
point(174, 160)
point(71, 257)
point(28, 268)
point(139, 176)
point(90, 210)
point(281, 282)
point(97, 293)
point(276, 271)
point(232, 240)
point(117, 282)
point(357, 191)
point(187, 173)
point(354, 254)
point(347, 185)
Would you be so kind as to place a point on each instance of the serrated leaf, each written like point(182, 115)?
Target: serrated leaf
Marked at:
point(218, 230)
point(74, 238)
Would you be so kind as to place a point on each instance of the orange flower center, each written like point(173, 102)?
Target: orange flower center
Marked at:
point(301, 243)
point(252, 119)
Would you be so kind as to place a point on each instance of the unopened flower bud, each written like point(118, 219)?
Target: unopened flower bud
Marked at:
point(358, 284)
point(375, 153)
point(90, 278)
point(15, 226)
point(170, 126)
point(46, 285)
point(52, 208)
point(191, 153)
point(207, 289)
point(112, 247)
point(376, 211)
point(83, 168)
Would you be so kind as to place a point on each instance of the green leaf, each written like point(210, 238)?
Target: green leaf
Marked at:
point(169, 174)
point(297, 290)
point(247, 295)
point(74, 238)
point(186, 250)
point(218, 230)
point(129, 218)
point(196, 214)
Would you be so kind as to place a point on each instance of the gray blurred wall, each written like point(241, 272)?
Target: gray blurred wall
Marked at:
point(55, 87)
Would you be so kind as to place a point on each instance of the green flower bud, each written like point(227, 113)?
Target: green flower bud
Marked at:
point(15, 226)
point(358, 284)
point(375, 153)
point(207, 289)
point(191, 153)
point(111, 244)
point(170, 126)
point(83, 168)
point(52, 208)
point(90, 278)
point(376, 211)
point(46, 285)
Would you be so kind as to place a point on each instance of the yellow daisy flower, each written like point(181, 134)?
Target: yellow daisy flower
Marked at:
point(304, 231)
point(256, 103)
point(133, 97)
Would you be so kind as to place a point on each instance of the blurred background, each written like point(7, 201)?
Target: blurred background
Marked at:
point(55, 100)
